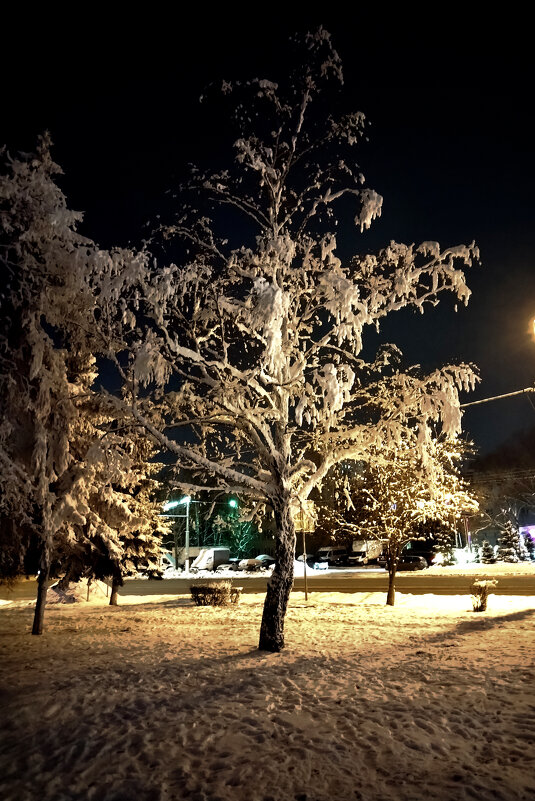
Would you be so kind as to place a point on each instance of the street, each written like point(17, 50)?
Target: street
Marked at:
point(419, 583)
point(415, 583)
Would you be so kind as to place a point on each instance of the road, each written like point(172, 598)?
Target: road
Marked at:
point(416, 583)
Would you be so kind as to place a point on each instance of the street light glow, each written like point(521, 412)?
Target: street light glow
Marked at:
point(170, 505)
point(233, 503)
point(173, 504)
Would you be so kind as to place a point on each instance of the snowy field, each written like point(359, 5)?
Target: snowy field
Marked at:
point(157, 699)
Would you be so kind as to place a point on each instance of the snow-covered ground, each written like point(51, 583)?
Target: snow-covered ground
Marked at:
point(159, 700)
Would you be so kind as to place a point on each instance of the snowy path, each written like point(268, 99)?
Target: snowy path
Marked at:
point(164, 701)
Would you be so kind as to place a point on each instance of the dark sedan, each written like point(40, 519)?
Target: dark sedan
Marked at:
point(412, 563)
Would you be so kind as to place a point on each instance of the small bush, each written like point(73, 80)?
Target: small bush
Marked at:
point(480, 593)
point(213, 593)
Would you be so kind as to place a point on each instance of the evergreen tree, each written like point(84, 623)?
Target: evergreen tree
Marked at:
point(122, 529)
point(508, 545)
point(476, 553)
point(523, 553)
point(56, 446)
point(530, 546)
point(446, 544)
point(487, 553)
point(46, 310)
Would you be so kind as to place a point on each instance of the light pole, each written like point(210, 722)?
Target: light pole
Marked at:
point(186, 500)
point(304, 552)
point(234, 539)
point(467, 534)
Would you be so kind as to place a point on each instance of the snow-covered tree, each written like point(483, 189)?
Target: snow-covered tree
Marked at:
point(488, 557)
point(509, 545)
point(339, 502)
point(529, 545)
point(398, 494)
point(523, 550)
point(52, 465)
point(44, 309)
point(122, 530)
point(505, 496)
point(445, 542)
point(260, 342)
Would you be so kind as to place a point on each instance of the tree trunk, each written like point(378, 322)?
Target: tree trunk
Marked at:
point(281, 581)
point(117, 581)
point(42, 587)
point(391, 594)
point(64, 582)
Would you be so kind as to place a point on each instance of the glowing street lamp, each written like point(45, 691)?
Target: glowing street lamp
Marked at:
point(170, 505)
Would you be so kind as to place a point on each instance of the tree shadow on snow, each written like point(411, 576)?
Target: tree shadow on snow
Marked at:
point(481, 623)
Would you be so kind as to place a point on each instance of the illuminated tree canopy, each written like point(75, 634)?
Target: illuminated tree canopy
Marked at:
point(254, 352)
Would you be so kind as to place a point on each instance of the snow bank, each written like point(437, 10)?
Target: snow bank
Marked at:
point(79, 592)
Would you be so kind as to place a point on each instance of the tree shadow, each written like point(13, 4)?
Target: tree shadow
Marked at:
point(172, 603)
point(480, 623)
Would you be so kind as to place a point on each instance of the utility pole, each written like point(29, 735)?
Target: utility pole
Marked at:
point(304, 552)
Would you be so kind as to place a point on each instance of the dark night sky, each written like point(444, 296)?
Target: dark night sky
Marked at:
point(451, 149)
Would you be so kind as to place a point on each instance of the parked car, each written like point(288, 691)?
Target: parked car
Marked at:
point(250, 564)
point(426, 548)
point(412, 562)
point(232, 564)
point(261, 562)
point(333, 555)
point(266, 559)
point(310, 560)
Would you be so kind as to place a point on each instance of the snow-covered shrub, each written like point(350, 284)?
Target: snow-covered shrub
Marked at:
point(213, 593)
point(480, 593)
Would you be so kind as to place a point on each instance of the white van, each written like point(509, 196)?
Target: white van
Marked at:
point(210, 559)
point(364, 552)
